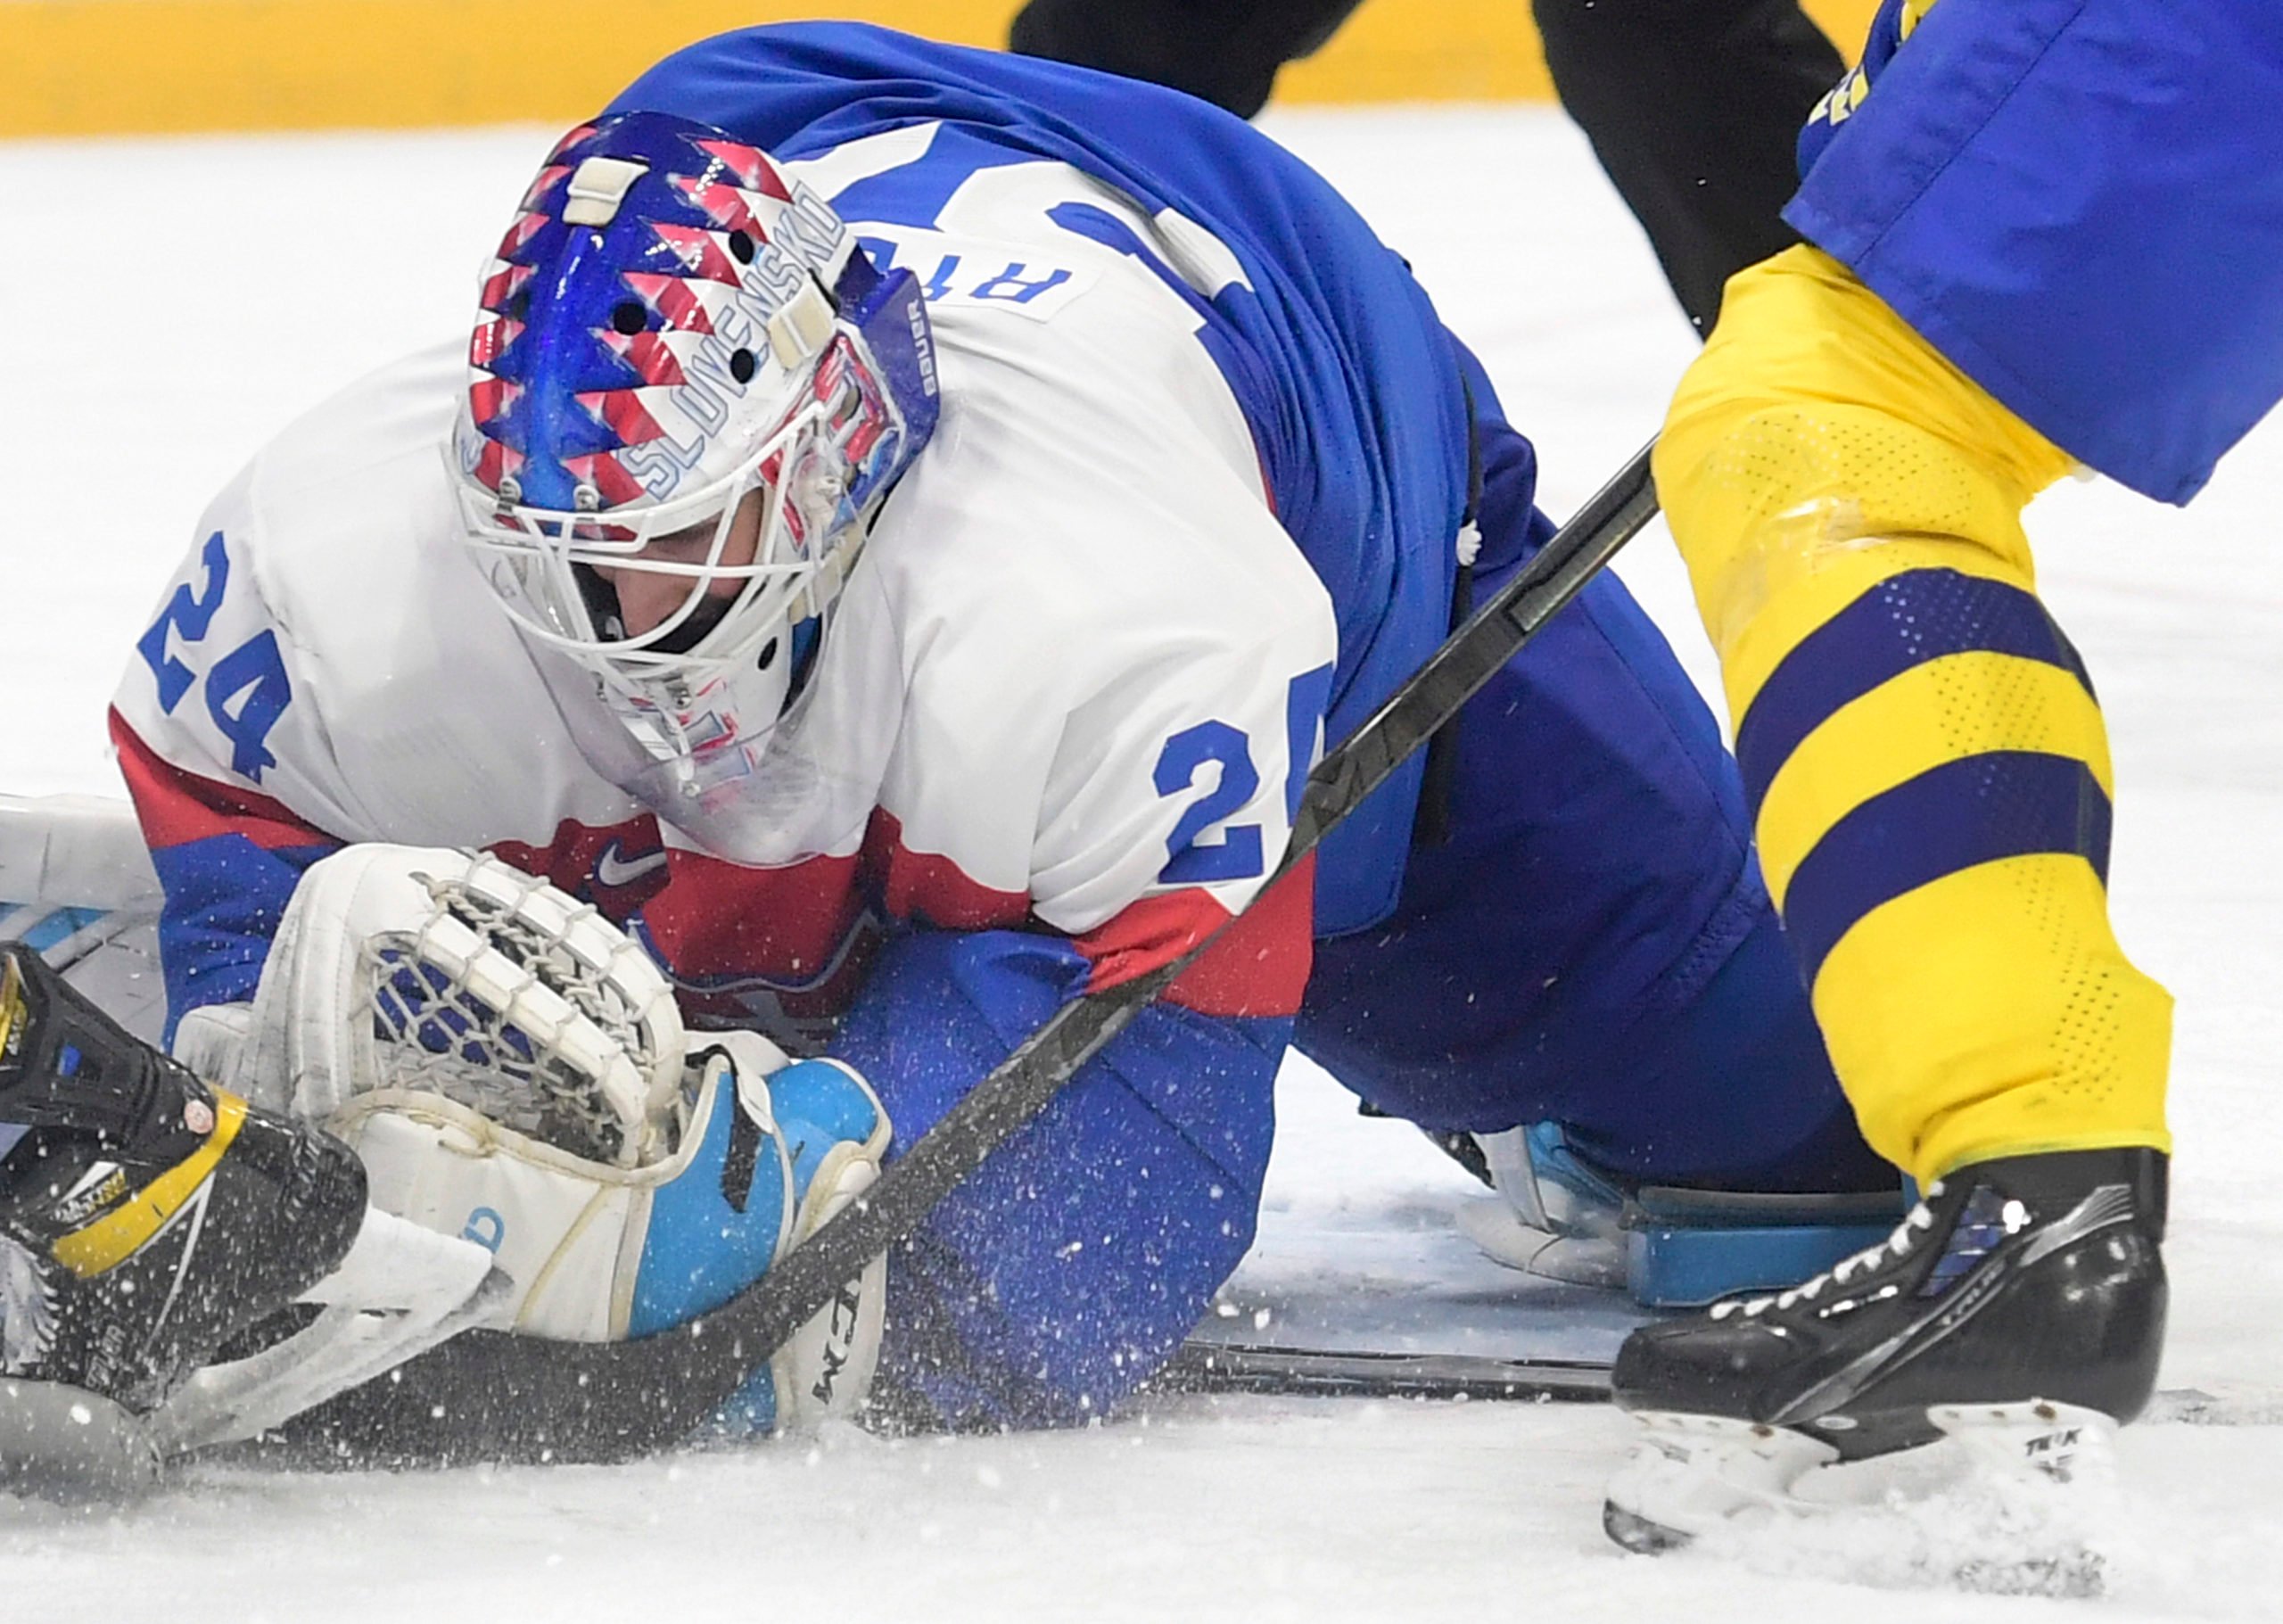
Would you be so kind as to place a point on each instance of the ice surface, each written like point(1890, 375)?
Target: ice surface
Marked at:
point(173, 302)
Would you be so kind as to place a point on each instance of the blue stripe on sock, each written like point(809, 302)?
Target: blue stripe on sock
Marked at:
point(1905, 621)
point(2006, 803)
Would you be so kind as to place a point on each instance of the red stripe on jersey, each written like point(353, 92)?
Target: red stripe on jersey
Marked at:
point(615, 866)
point(175, 807)
point(713, 917)
point(1260, 965)
point(930, 888)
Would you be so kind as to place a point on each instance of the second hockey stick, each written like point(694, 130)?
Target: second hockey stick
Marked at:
point(495, 1395)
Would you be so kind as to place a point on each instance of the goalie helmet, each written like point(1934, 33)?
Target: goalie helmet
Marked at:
point(684, 364)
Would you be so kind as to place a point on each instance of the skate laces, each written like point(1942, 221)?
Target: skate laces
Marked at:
point(1897, 1245)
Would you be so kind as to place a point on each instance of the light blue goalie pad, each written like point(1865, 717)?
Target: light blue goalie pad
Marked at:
point(1682, 1249)
point(1686, 1248)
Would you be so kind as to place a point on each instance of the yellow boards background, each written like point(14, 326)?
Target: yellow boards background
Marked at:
point(94, 66)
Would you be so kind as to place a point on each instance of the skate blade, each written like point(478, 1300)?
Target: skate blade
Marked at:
point(59, 1442)
point(1985, 1508)
point(1638, 1535)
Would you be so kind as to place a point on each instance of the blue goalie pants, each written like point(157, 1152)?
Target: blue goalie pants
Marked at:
point(1591, 942)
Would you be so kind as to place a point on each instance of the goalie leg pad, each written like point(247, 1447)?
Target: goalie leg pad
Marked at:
point(597, 1253)
point(1688, 1248)
point(514, 1072)
point(825, 1370)
point(1563, 1218)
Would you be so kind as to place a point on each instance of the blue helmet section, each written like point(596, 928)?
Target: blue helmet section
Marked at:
point(546, 340)
point(628, 320)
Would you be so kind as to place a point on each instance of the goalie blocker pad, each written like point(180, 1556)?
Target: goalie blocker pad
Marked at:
point(600, 1253)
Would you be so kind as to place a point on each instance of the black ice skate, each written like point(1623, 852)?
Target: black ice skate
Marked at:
point(144, 1219)
point(2020, 1308)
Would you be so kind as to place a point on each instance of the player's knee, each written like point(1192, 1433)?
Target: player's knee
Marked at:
point(1818, 438)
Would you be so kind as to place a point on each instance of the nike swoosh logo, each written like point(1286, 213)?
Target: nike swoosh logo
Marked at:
point(613, 869)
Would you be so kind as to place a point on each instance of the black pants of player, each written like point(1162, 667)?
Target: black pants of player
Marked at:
point(1692, 105)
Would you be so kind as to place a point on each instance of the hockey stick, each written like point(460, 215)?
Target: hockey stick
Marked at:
point(1321, 1372)
point(1313, 1373)
point(493, 1396)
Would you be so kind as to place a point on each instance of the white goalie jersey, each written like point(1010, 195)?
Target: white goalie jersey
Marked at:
point(1066, 691)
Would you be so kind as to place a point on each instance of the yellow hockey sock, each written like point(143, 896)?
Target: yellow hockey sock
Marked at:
point(1923, 751)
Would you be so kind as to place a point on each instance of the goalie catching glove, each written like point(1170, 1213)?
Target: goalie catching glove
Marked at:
point(512, 1070)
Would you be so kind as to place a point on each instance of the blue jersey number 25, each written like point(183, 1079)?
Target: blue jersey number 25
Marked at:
point(247, 690)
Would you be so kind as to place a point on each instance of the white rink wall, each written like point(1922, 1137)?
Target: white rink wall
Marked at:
point(176, 301)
